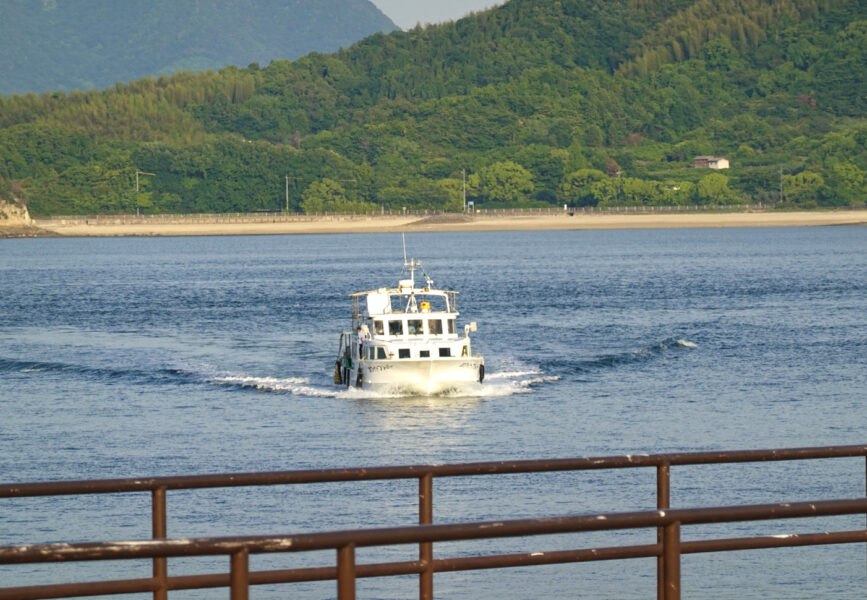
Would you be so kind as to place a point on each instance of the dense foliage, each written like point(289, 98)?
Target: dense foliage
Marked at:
point(582, 102)
point(85, 44)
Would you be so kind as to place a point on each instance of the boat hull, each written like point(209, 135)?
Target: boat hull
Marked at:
point(420, 376)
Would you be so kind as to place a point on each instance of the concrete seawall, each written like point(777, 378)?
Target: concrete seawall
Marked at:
point(275, 224)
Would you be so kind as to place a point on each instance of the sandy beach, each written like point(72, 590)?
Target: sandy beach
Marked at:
point(279, 224)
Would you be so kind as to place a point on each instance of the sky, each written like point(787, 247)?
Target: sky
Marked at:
point(407, 13)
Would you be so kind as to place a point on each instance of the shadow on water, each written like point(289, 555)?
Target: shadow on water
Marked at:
point(101, 374)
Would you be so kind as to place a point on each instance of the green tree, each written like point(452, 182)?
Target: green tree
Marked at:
point(328, 195)
point(719, 54)
point(419, 194)
point(576, 188)
point(803, 188)
point(605, 192)
point(840, 72)
point(714, 189)
point(321, 196)
point(848, 184)
point(504, 182)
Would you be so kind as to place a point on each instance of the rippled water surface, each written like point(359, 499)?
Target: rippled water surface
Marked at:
point(157, 356)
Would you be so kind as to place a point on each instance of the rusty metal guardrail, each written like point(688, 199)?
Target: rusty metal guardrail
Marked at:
point(667, 550)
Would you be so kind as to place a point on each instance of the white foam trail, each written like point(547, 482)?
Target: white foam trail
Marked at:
point(542, 379)
point(511, 374)
point(252, 381)
point(510, 388)
point(466, 390)
point(506, 383)
point(497, 389)
point(503, 390)
point(293, 385)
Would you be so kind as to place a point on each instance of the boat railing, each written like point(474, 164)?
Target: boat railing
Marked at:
point(666, 521)
point(452, 300)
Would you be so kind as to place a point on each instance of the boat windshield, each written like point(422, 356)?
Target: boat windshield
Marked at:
point(412, 326)
point(418, 303)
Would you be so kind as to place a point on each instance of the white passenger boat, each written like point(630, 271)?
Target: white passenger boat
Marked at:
point(406, 340)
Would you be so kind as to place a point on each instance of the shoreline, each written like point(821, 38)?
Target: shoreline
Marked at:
point(193, 225)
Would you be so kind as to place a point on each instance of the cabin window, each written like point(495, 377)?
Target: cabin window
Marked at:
point(371, 352)
point(451, 325)
point(380, 353)
point(465, 351)
point(378, 328)
point(424, 353)
point(415, 326)
point(395, 328)
point(435, 327)
point(403, 353)
point(445, 352)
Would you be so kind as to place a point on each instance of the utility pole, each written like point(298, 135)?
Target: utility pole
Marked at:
point(287, 190)
point(464, 177)
point(137, 173)
point(781, 185)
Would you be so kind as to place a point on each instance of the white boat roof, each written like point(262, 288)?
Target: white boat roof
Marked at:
point(404, 291)
point(379, 300)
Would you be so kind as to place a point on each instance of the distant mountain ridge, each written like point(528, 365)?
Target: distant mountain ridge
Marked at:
point(534, 104)
point(48, 45)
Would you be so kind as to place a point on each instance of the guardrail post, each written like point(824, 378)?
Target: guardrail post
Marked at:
point(663, 502)
point(425, 549)
point(346, 572)
point(158, 518)
point(240, 575)
point(671, 552)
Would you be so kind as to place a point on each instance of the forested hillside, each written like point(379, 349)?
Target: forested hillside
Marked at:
point(48, 45)
point(582, 102)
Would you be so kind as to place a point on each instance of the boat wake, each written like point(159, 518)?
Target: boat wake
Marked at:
point(116, 373)
point(299, 386)
point(605, 361)
point(506, 379)
point(510, 380)
point(498, 384)
point(507, 383)
point(9, 365)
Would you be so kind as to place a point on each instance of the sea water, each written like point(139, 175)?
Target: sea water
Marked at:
point(140, 357)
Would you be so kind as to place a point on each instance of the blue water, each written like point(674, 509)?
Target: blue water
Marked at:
point(158, 356)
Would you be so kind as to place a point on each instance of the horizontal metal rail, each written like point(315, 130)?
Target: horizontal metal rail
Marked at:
point(426, 565)
point(305, 542)
point(345, 543)
point(109, 486)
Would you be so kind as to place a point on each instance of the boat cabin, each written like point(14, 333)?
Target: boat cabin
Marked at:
point(407, 322)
